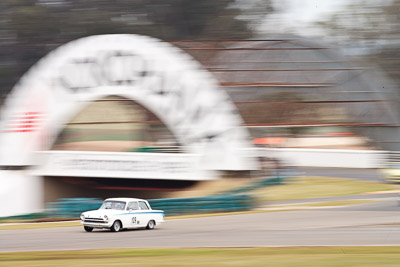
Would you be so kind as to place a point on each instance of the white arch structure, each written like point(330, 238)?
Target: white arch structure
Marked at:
point(157, 75)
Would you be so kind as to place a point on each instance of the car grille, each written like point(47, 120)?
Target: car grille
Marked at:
point(94, 220)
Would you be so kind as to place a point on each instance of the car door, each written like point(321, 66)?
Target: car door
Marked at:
point(144, 213)
point(134, 216)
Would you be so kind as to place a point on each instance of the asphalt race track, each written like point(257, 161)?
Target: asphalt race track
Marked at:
point(368, 224)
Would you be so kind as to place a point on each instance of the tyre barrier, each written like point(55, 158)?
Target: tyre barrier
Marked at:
point(233, 200)
point(26, 217)
point(72, 207)
point(209, 204)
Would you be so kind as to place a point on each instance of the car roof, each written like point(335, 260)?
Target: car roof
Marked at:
point(126, 199)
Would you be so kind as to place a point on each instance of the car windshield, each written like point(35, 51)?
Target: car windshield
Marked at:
point(113, 205)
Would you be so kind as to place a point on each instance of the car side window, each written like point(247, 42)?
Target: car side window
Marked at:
point(133, 206)
point(143, 205)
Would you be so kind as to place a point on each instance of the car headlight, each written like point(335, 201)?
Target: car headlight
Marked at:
point(82, 217)
point(105, 218)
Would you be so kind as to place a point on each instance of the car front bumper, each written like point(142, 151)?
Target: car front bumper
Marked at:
point(97, 224)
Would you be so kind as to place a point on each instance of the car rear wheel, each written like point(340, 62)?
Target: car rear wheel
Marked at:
point(150, 225)
point(116, 226)
point(88, 228)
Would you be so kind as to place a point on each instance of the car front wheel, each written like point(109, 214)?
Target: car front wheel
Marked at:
point(116, 226)
point(88, 229)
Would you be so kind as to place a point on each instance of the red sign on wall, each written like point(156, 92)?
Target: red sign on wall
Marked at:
point(25, 122)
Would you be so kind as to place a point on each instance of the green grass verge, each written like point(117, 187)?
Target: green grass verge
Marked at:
point(342, 203)
point(100, 135)
point(312, 187)
point(291, 256)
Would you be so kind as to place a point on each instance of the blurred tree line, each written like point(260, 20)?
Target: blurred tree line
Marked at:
point(374, 25)
point(29, 29)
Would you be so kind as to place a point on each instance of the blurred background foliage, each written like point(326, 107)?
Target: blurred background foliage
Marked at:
point(373, 26)
point(29, 29)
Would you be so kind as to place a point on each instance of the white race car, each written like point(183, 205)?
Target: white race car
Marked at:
point(122, 213)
